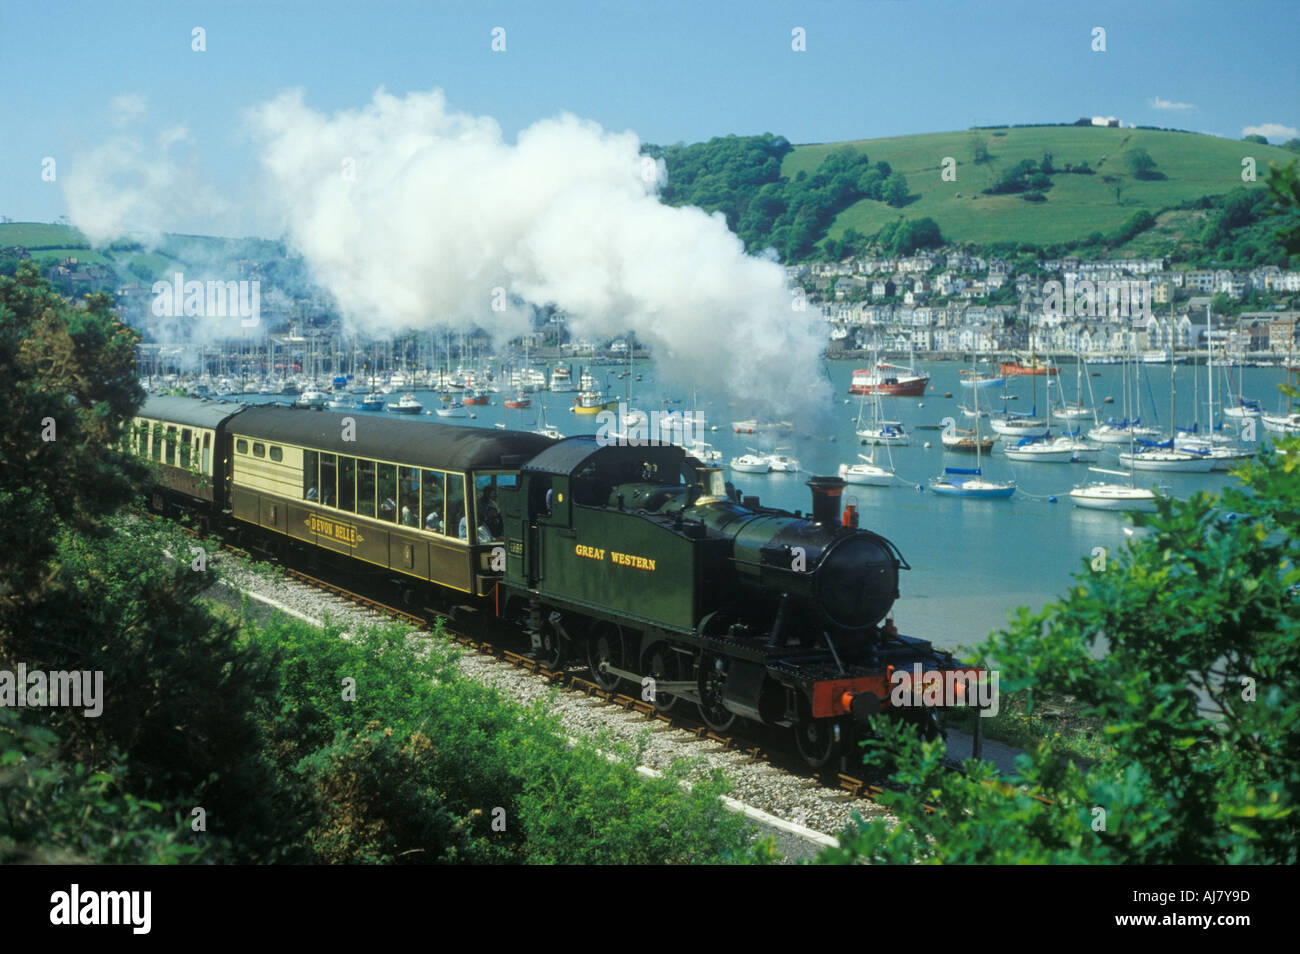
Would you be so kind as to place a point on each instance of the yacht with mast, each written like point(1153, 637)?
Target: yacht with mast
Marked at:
point(969, 481)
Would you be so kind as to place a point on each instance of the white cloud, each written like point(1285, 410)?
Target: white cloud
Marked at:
point(1158, 103)
point(127, 108)
point(130, 185)
point(1273, 132)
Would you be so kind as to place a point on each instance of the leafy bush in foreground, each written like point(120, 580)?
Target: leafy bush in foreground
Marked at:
point(411, 761)
point(1187, 649)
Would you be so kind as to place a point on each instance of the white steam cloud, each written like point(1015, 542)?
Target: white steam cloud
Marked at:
point(413, 215)
point(130, 186)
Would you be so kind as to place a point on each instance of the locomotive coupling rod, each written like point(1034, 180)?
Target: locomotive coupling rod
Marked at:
point(661, 685)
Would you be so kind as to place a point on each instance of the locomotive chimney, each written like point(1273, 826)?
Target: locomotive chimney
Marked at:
point(826, 493)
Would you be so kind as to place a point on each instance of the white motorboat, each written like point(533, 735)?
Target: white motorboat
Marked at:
point(1281, 423)
point(1081, 450)
point(1102, 496)
point(312, 398)
point(884, 432)
point(751, 464)
point(782, 464)
point(454, 409)
point(406, 405)
point(704, 452)
point(1072, 412)
point(1099, 495)
point(1121, 432)
point(1013, 425)
point(1039, 450)
point(561, 380)
point(867, 473)
point(1243, 410)
point(1167, 459)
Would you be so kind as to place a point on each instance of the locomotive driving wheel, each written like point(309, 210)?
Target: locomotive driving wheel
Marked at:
point(819, 741)
point(605, 646)
point(665, 666)
point(551, 652)
point(713, 678)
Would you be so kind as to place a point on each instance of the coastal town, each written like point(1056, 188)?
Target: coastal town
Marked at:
point(952, 304)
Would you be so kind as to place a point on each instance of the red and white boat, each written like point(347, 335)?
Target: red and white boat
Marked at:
point(889, 379)
point(520, 400)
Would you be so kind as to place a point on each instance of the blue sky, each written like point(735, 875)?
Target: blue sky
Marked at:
point(671, 71)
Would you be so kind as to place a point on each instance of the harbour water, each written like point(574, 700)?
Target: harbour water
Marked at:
point(973, 561)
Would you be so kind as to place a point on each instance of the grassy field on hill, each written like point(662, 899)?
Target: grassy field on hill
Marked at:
point(1192, 165)
point(49, 243)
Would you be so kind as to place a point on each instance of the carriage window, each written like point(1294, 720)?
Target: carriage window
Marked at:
point(456, 516)
point(187, 440)
point(155, 445)
point(366, 488)
point(431, 500)
point(277, 454)
point(408, 502)
point(169, 452)
point(207, 453)
point(347, 483)
point(259, 450)
point(310, 478)
point(327, 488)
point(491, 526)
point(241, 446)
point(387, 492)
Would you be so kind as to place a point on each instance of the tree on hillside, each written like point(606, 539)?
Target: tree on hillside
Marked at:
point(1292, 144)
point(1142, 165)
point(1255, 137)
point(895, 190)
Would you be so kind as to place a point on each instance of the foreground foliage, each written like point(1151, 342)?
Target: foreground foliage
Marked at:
point(1186, 648)
point(413, 762)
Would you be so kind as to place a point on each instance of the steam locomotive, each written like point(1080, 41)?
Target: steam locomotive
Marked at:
point(639, 560)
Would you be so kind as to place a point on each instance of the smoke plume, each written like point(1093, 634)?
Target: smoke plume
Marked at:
point(413, 215)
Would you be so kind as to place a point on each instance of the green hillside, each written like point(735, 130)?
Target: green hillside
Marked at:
point(1192, 166)
point(49, 243)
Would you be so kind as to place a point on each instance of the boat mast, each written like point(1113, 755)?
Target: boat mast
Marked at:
point(1209, 366)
